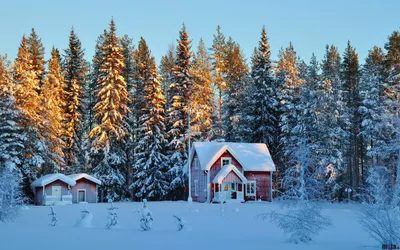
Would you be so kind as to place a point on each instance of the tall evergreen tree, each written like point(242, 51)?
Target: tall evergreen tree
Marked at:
point(166, 69)
point(151, 163)
point(177, 115)
point(36, 51)
point(262, 100)
point(75, 70)
point(351, 87)
point(53, 101)
point(108, 159)
point(218, 55)
point(237, 83)
point(202, 98)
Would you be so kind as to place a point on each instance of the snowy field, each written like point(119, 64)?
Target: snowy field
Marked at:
point(206, 228)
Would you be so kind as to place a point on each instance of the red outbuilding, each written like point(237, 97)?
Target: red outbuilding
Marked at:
point(223, 171)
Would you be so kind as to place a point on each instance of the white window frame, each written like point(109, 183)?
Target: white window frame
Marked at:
point(196, 188)
point(226, 158)
point(196, 163)
point(77, 195)
point(248, 184)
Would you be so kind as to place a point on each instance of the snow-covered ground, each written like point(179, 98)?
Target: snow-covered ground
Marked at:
point(206, 228)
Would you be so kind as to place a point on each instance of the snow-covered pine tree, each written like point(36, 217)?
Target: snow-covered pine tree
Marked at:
point(177, 116)
point(218, 55)
point(150, 180)
point(53, 97)
point(392, 103)
point(237, 82)
point(146, 218)
point(351, 87)
point(128, 73)
point(107, 157)
point(166, 70)
point(10, 194)
point(75, 70)
point(289, 83)
point(36, 51)
point(25, 89)
point(202, 98)
point(261, 111)
point(376, 127)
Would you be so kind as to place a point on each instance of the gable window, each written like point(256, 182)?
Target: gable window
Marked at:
point(226, 161)
point(196, 188)
point(196, 163)
point(251, 188)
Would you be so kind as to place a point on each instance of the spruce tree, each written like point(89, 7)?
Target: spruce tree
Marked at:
point(351, 87)
point(53, 97)
point(75, 70)
point(177, 115)
point(201, 103)
point(151, 163)
point(36, 51)
point(219, 65)
point(237, 83)
point(107, 157)
point(262, 100)
point(166, 70)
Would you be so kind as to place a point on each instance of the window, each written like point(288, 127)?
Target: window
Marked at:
point(251, 188)
point(196, 163)
point(196, 188)
point(226, 161)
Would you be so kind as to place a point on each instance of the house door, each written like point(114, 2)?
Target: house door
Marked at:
point(56, 192)
point(227, 190)
point(81, 195)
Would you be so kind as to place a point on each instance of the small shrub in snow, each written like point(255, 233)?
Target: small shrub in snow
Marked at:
point(10, 195)
point(54, 217)
point(180, 222)
point(85, 219)
point(112, 218)
point(301, 221)
point(146, 218)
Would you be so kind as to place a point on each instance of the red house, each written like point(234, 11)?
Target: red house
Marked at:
point(222, 171)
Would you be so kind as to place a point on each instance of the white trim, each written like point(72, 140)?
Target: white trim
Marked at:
point(270, 185)
point(208, 187)
point(196, 188)
point(226, 158)
point(255, 186)
point(77, 177)
point(225, 170)
point(77, 195)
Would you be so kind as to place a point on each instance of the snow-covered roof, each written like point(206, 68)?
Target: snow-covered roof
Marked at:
point(252, 156)
point(86, 176)
point(49, 178)
point(225, 170)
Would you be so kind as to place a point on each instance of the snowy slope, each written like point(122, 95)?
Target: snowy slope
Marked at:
point(238, 229)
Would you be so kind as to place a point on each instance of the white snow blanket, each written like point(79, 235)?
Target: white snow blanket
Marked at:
point(49, 178)
point(252, 156)
point(77, 177)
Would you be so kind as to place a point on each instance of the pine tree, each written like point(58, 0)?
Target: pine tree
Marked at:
point(53, 97)
point(351, 83)
point(218, 55)
point(177, 121)
point(36, 51)
point(12, 135)
point(108, 159)
point(201, 103)
point(151, 161)
point(166, 69)
point(237, 84)
point(262, 100)
point(75, 70)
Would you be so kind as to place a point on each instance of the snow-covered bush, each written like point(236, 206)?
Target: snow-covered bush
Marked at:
point(381, 216)
point(112, 218)
point(180, 223)
point(54, 217)
point(10, 195)
point(301, 221)
point(85, 219)
point(146, 218)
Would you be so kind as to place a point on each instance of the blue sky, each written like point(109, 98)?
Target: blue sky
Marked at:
point(310, 25)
